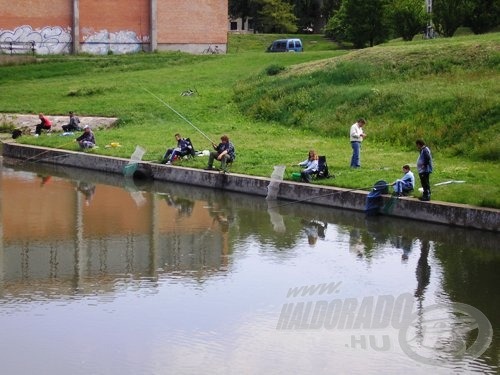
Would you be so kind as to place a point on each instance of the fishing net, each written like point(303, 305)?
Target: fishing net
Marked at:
point(274, 185)
point(135, 158)
point(276, 219)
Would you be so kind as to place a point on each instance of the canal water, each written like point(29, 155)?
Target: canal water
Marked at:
point(100, 274)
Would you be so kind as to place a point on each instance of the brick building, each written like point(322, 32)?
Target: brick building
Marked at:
point(117, 26)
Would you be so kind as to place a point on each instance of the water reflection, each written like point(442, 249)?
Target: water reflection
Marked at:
point(204, 272)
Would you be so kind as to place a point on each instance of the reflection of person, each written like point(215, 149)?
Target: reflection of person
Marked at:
point(73, 123)
point(356, 244)
point(314, 229)
point(356, 136)
point(183, 147)
point(423, 271)
point(87, 139)
point(405, 184)
point(224, 152)
point(44, 124)
point(88, 190)
point(310, 165)
point(45, 180)
point(424, 167)
point(183, 206)
point(403, 243)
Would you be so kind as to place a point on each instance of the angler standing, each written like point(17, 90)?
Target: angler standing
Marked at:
point(356, 136)
point(424, 167)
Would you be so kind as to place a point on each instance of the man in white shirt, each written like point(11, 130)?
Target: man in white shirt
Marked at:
point(357, 135)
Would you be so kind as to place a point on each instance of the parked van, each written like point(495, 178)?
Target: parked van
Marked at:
point(286, 45)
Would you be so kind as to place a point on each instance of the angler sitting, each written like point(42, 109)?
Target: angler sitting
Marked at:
point(405, 184)
point(44, 124)
point(184, 147)
point(311, 166)
point(73, 123)
point(87, 139)
point(224, 152)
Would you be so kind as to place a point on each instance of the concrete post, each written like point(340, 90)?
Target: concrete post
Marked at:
point(153, 32)
point(75, 33)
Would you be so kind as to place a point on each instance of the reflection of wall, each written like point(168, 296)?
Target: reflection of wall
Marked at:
point(112, 211)
point(52, 235)
point(130, 255)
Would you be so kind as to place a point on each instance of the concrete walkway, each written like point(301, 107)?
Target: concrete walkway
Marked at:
point(21, 121)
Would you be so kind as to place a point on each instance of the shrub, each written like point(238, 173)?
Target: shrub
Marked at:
point(274, 69)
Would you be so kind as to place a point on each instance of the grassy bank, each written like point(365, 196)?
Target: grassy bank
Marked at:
point(443, 90)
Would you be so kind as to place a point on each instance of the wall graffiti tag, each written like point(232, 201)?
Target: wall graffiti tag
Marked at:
point(57, 40)
point(103, 42)
point(48, 40)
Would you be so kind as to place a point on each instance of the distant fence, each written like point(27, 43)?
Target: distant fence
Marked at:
point(17, 47)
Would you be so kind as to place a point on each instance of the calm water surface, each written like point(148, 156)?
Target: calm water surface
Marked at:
point(101, 275)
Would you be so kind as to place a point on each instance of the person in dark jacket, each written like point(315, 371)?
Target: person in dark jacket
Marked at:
point(87, 139)
point(424, 167)
point(183, 147)
point(224, 152)
point(73, 125)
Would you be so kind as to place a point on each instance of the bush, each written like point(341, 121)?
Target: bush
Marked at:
point(274, 69)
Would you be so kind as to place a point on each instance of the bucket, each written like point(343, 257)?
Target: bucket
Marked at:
point(296, 176)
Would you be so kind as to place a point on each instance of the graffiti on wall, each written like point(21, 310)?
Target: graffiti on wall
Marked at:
point(103, 42)
point(56, 40)
point(48, 40)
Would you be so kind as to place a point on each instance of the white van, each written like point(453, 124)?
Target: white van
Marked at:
point(286, 45)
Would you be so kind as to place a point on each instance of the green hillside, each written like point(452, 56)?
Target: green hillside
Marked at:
point(276, 106)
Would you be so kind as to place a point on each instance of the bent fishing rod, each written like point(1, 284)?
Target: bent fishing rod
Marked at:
point(328, 194)
point(178, 114)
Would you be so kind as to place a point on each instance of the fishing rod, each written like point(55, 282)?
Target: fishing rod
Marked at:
point(43, 152)
point(50, 158)
point(178, 114)
point(333, 193)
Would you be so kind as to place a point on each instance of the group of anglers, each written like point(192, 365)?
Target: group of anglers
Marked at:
point(402, 187)
point(86, 140)
point(225, 153)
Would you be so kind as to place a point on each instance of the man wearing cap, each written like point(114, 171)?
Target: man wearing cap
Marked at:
point(73, 123)
point(87, 139)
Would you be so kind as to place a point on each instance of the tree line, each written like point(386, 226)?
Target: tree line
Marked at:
point(368, 22)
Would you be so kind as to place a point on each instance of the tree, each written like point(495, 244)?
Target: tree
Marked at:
point(308, 13)
point(245, 9)
point(484, 15)
point(328, 8)
point(359, 22)
point(277, 16)
point(407, 17)
point(449, 15)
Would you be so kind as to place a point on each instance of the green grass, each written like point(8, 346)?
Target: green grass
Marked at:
point(276, 106)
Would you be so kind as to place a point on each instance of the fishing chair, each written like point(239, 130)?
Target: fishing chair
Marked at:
point(191, 152)
point(322, 171)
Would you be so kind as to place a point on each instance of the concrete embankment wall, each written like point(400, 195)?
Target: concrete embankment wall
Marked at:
point(436, 212)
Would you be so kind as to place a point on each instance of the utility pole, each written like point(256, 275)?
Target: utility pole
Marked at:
point(429, 32)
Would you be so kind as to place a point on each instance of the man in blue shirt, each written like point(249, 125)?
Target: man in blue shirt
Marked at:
point(406, 183)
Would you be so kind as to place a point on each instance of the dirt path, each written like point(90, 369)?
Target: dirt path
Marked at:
point(20, 120)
